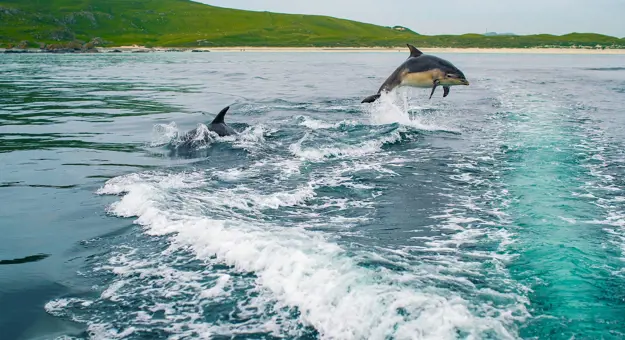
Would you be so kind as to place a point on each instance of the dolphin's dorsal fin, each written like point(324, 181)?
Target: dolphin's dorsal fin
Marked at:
point(414, 52)
point(220, 116)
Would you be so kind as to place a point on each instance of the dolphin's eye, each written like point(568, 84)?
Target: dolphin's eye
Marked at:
point(451, 75)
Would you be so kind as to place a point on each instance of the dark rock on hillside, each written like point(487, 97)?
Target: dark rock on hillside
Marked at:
point(75, 46)
point(63, 34)
point(9, 11)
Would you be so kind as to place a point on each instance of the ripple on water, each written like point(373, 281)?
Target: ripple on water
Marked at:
point(324, 218)
point(286, 269)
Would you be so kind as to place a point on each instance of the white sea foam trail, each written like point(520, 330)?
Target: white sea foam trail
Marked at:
point(393, 107)
point(299, 269)
point(358, 150)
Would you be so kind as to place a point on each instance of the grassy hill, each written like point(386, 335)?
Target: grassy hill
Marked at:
point(180, 23)
point(183, 23)
point(520, 41)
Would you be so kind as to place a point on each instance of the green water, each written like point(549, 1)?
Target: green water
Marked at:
point(497, 212)
point(564, 256)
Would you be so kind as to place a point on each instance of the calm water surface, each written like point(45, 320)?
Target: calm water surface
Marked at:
point(495, 213)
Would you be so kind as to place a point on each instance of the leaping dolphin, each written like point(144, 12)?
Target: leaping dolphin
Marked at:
point(422, 71)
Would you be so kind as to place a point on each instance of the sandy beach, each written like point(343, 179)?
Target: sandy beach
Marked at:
point(399, 49)
point(426, 50)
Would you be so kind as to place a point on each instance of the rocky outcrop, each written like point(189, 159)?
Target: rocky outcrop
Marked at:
point(9, 11)
point(23, 44)
point(75, 46)
point(71, 18)
point(63, 34)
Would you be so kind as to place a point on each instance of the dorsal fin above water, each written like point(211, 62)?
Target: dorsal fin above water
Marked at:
point(220, 116)
point(414, 52)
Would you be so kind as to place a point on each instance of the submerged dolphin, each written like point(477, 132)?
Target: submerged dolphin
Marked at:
point(218, 125)
point(422, 71)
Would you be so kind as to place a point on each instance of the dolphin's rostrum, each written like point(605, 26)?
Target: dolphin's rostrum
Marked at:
point(422, 71)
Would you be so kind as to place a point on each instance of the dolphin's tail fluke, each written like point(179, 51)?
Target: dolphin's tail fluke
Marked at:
point(220, 116)
point(371, 98)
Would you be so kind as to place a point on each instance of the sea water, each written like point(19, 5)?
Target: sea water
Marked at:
point(495, 213)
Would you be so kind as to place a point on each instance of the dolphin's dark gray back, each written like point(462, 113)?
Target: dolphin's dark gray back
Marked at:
point(219, 126)
point(428, 62)
point(222, 129)
point(394, 79)
point(422, 63)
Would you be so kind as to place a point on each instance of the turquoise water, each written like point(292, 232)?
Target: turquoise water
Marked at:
point(495, 213)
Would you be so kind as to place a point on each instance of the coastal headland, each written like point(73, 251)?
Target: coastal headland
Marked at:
point(398, 49)
point(93, 26)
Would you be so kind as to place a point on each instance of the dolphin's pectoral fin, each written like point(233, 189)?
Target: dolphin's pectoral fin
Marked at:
point(414, 52)
point(445, 91)
point(371, 98)
point(434, 87)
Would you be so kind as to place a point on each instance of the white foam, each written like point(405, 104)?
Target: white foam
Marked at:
point(218, 289)
point(386, 111)
point(249, 199)
point(301, 269)
point(102, 331)
point(568, 219)
point(603, 189)
point(178, 295)
point(202, 136)
point(315, 124)
point(287, 166)
point(163, 134)
point(233, 174)
point(58, 306)
point(250, 138)
point(358, 150)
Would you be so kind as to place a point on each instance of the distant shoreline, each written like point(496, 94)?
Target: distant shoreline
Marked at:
point(399, 49)
point(425, 50)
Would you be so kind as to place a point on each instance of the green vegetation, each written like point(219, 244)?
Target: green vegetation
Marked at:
point(183, 23)
point(521, 41)
point(179, 23)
